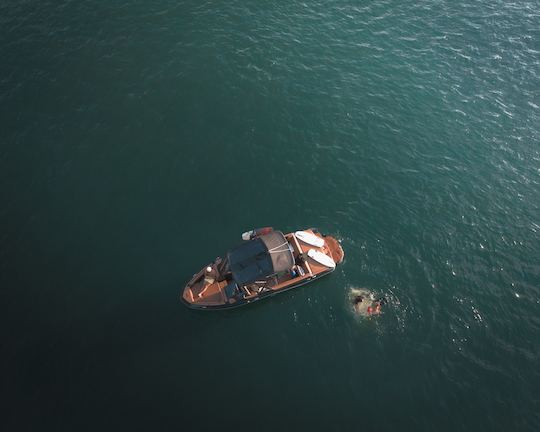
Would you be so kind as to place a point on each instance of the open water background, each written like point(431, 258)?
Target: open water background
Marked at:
point(139, 139)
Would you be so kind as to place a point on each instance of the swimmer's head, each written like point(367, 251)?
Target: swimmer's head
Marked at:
point(358, 299)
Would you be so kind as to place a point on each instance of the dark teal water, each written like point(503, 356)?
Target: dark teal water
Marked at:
point(139, 139)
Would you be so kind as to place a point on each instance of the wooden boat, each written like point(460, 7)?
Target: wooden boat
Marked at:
point(267, 263)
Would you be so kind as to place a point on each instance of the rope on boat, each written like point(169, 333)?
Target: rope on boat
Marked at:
point(273, 250)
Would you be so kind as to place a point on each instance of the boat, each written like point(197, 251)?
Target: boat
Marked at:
point(266, 263)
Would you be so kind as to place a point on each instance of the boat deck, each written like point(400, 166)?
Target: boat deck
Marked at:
point(214, 294)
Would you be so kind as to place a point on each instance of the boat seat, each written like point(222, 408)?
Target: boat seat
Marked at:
point(300, 259)
point(227, 276)
point(231, 290)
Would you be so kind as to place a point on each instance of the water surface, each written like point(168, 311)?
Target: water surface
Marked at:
point(140, 139)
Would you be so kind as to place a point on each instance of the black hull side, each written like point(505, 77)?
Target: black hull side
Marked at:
point(255, 299)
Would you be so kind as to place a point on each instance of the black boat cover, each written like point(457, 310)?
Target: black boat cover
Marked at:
point(261, 257)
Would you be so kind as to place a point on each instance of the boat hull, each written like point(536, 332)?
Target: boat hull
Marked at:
point(255, 299)
point(217, 287)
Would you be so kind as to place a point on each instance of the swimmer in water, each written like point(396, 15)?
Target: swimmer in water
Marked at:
point(365, 304)
point(357, 301)
point(375, 308)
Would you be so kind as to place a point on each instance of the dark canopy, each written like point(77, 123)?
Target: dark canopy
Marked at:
point(260, 257)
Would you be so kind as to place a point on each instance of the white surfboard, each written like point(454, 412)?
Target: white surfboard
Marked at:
point(310, 239)
point(321, 258)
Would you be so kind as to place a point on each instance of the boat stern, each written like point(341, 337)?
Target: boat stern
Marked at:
point(335, 249)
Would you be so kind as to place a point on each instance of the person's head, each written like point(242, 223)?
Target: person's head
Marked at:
point(208, 269)
point(358, 299)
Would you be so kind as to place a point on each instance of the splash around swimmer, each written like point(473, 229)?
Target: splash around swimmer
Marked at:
point(365, 303)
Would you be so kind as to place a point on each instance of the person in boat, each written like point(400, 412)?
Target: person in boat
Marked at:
point(210, 275)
